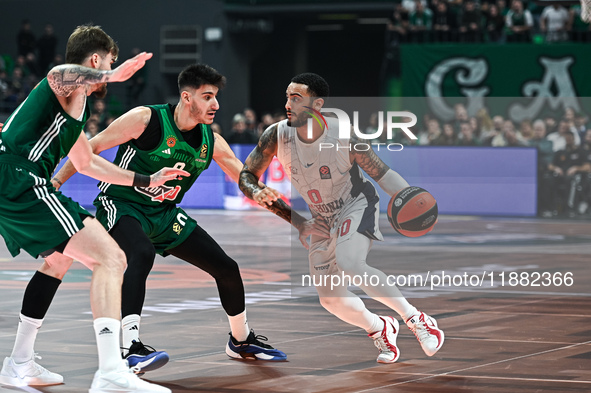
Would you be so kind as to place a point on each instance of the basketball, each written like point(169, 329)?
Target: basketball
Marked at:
point(412, 211)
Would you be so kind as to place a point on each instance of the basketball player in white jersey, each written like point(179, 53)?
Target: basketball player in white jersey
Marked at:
point(345, 212)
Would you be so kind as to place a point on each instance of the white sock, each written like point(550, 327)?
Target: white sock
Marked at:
point(409, 311)
point(239, 326)
point(131, 329)
point(106, 331)
point(377, 324)
point(25, 339)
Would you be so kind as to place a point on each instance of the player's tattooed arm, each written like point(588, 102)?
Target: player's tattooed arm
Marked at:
point(368, 161)
point(64, 79)
point(257, 162)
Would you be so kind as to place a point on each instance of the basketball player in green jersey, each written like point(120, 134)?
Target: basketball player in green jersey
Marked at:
point(35, 217)
point(145, 220)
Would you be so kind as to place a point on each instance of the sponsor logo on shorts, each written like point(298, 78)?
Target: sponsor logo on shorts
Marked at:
point(176, 228)
point(160, 193)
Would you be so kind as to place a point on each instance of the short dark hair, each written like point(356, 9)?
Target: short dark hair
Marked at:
point(197, 75)
point(317, 86)
point(86, 40)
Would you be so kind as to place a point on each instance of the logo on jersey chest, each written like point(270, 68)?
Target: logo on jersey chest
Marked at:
point(324, 172)
point(203, 152)
point(160, 193)
point(171, 141)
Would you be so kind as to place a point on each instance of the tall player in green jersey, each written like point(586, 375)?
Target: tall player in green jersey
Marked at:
point(145, 220)
point(40, 220)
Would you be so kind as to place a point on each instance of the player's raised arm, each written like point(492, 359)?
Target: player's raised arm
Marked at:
point(66, 78)
point(125, 128)
point(389, 180)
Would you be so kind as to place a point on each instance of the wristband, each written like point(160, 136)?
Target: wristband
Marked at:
point(140, 180)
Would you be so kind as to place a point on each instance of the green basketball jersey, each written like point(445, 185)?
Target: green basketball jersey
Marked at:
point(173, 152)
point(41, 131)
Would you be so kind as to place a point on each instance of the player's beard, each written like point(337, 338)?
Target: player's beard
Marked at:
point(101, 92)
point(299, 121)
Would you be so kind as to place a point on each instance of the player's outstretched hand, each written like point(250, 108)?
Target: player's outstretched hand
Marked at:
point(166, 174)
point(129, 67)
point(314, 226)
point(267, 195)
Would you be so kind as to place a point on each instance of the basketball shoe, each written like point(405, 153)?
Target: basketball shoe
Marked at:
point(252, 348)
point(385, 341)
point(123, 379)
point(425, 329)
point(28, 373)
point(144, 357)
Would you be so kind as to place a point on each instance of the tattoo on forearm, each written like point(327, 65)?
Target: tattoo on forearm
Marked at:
point(370, 162)
point(248, 183)
point(281, 209)
point(65, 79)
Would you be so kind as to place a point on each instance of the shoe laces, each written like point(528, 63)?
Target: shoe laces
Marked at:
point(420, 331)
point(254, 339)
point(381, 344)
point(139, 348)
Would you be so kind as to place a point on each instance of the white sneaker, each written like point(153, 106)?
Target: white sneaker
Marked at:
point(385, 341)
point(429, 335)
point(28, 373)
point(123, 379)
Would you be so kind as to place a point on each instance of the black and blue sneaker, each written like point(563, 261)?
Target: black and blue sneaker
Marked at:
point(252, 349)
point(145, 358)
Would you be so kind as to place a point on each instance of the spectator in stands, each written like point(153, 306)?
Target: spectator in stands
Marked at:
point(91, 129)
point(239, 133)
point(502, 6)
point(99, 109)
point(485, 122)
point(584, 188)
point(46, 47)
point(566, 164)
point(216, 128)
point(509, 137)
point(250, 117)
point(32, 67)
point(444, 23)
point(556, 22)
point(57, 60)
point(466, 137)
point(476, 128)
point(558, 138)
point(581, 30)
point(497, 129)
point(266, 121)
point(470, 23)
point(397, 27)
point(580, 124)
point(411, 5)
point(420, 22)
point(495, 25)
point(551, 125)
point(526, 130)
point(519, 23)
point(447, 137)
point(433, 133)
point(545, 176)
point(25, 39)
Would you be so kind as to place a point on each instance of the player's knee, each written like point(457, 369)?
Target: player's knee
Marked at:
point(227, 269)
point(115, 261)
point(141, 260)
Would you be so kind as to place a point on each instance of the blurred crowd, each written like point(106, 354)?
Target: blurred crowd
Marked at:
point(419, 21)
point(563, 142)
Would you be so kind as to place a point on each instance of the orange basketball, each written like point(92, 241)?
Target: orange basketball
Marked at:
point(412, 212)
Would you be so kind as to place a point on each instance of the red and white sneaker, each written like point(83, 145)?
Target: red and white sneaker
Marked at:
point(385, 341)
point(425, 329)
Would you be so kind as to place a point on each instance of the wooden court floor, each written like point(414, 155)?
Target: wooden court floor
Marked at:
point(512, 335)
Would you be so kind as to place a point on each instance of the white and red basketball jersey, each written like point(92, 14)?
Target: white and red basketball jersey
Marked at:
point(325, 178)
